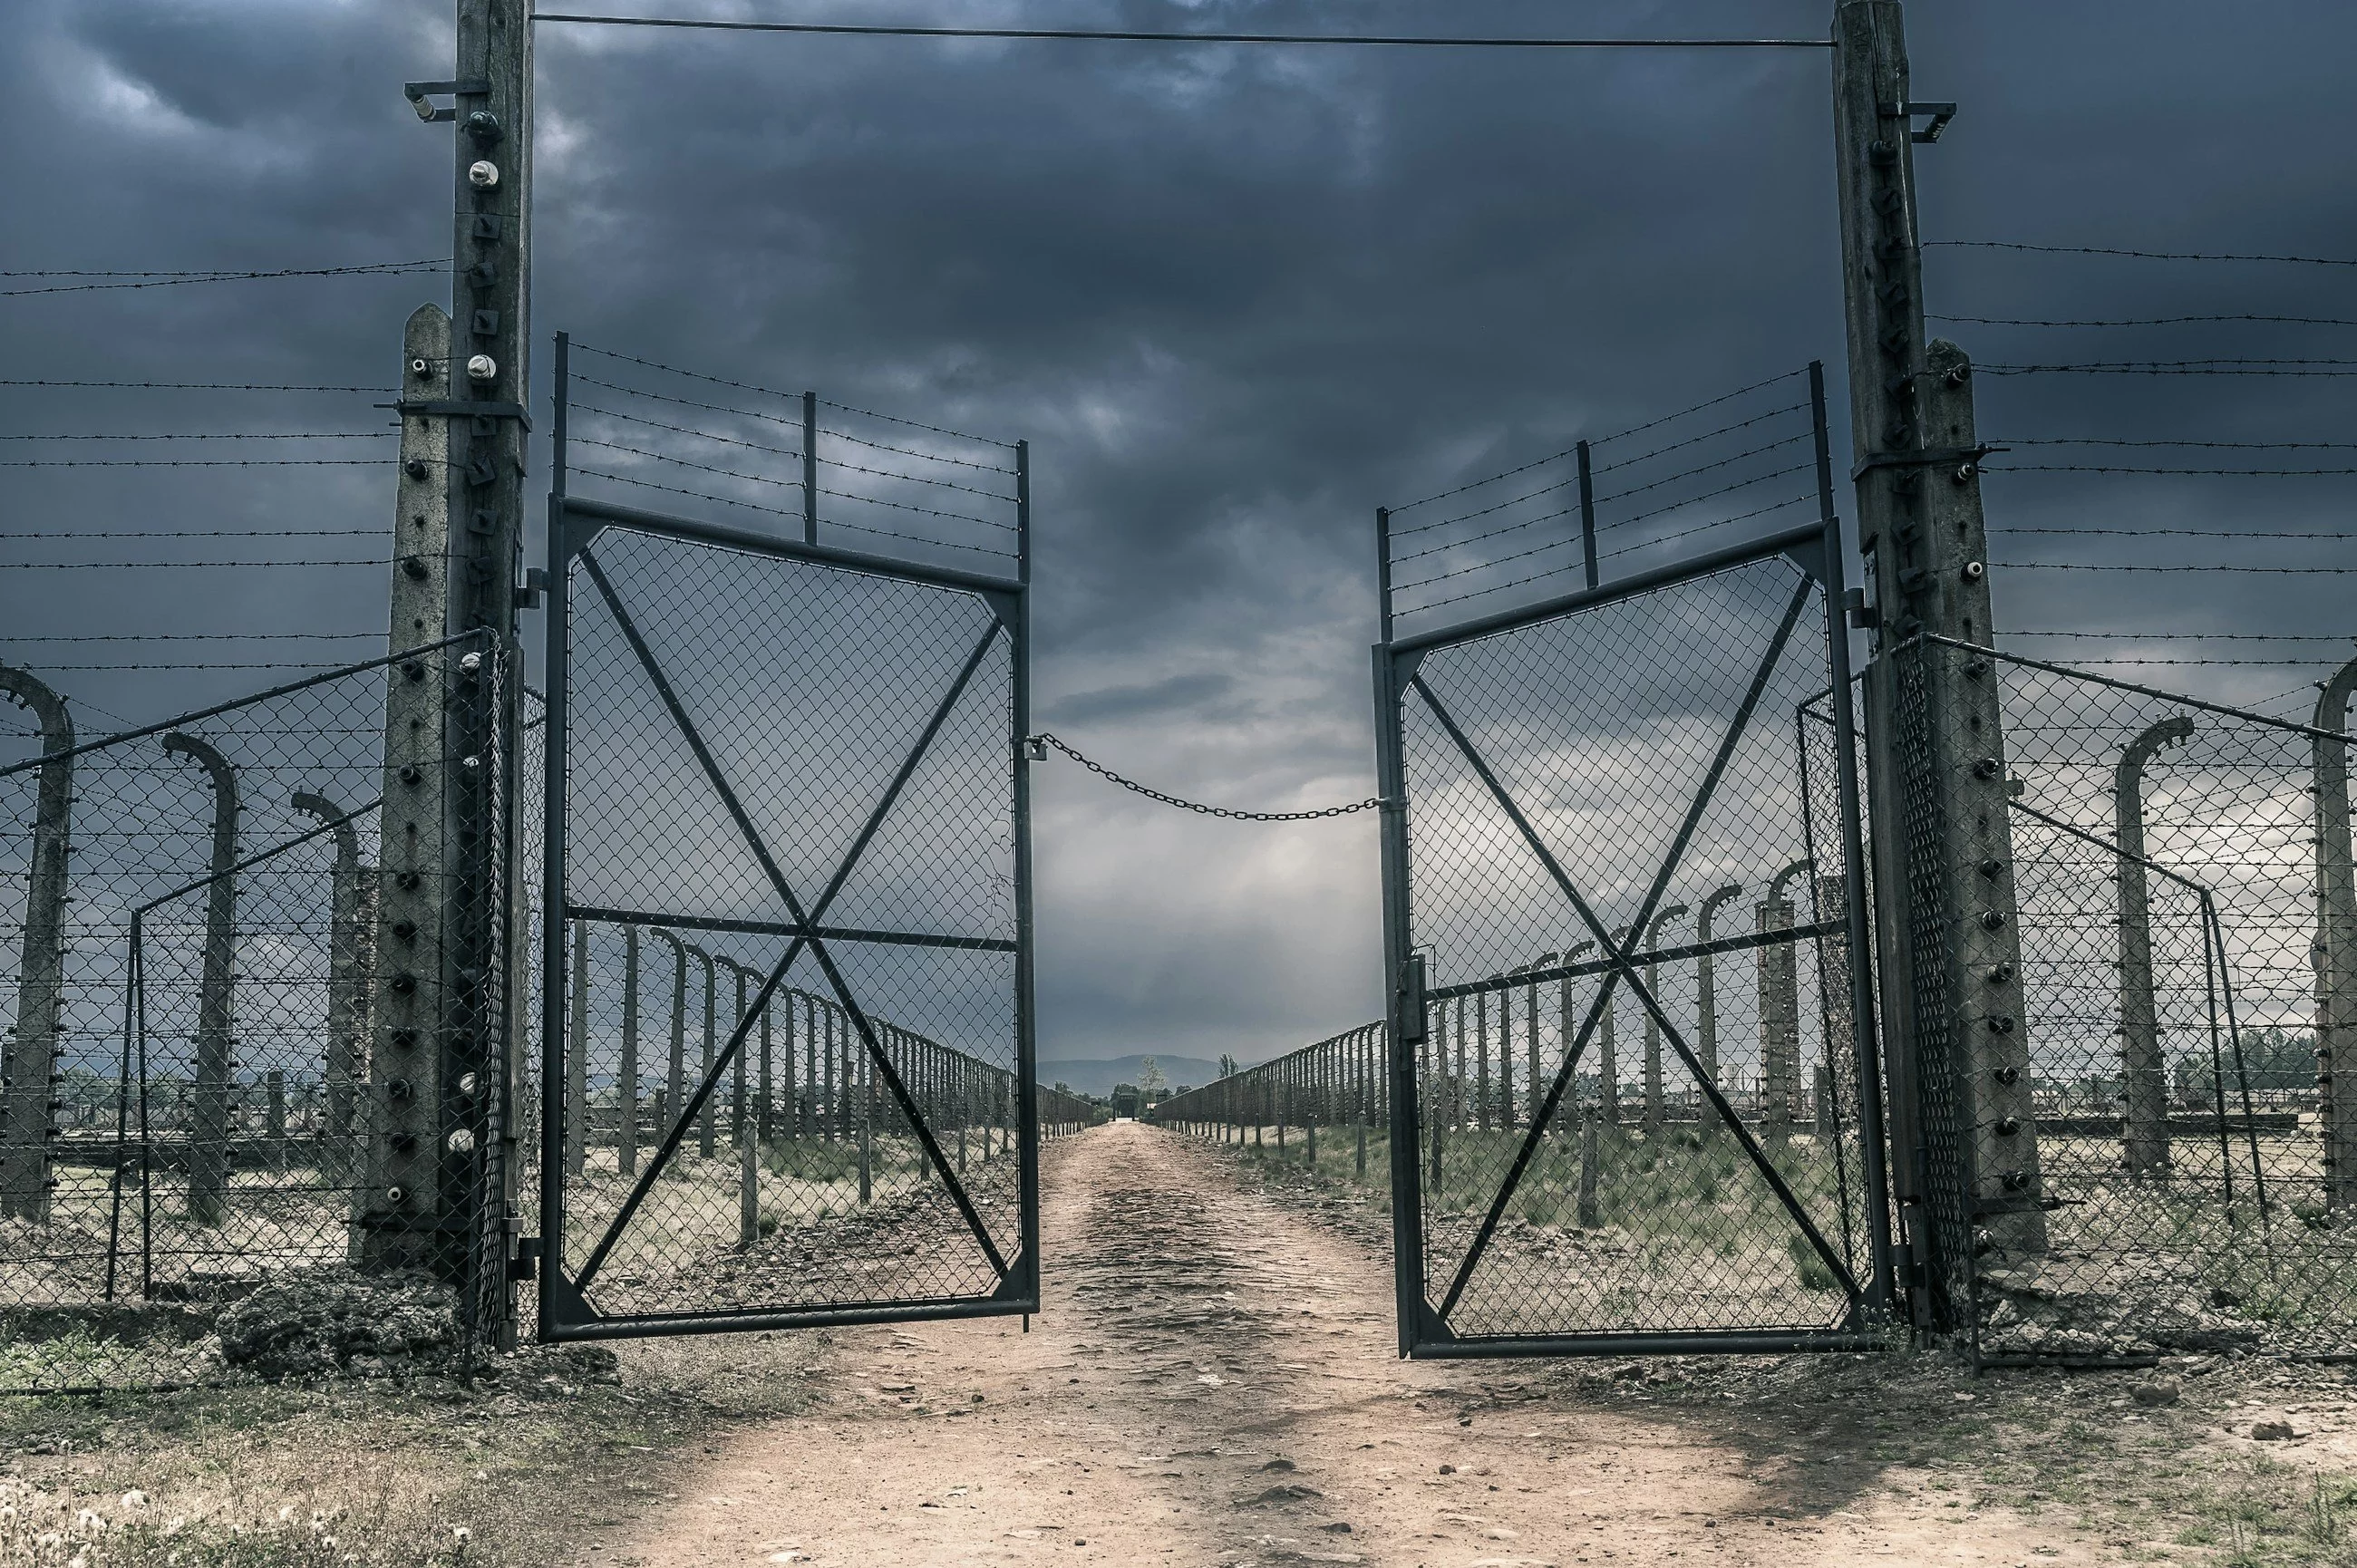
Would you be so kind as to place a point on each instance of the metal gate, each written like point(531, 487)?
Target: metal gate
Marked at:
point(787, 1024)
point(1616, 1126)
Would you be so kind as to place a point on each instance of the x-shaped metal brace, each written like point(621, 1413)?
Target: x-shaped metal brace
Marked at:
point(806, 920)
point(1623, 957)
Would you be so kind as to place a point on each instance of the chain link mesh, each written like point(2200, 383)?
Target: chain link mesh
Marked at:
point(195, 1105)
point(2172, 862)
point(736, 721)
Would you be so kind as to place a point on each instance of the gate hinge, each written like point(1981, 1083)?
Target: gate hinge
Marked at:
point(526, 1264)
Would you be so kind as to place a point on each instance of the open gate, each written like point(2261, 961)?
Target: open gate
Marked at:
point(1616, 1126)
point(788, 1049)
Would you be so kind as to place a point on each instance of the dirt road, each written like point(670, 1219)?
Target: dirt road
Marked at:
point(1213, 1381)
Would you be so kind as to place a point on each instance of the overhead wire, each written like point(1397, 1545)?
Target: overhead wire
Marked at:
point(1092, 35)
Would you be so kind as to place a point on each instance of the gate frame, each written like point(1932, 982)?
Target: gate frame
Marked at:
point(1424, 1334)
point(564, 1313)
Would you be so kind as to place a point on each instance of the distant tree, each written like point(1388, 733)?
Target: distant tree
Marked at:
point(1228, 1066)
point(1149, 1076)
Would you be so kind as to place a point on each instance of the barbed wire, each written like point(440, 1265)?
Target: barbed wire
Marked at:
point(911, 452)
point(2143, 255)
point(205, 534)
point(2144, 320)
point(198, 636)
point(2220, 367)
point(224, 435)
point(1703, 469)
point(113, 566)
point(200, 386)
point(678, 490)
point(1045, 738)
point(793, 425)
point(684, 462)
point(921, 511)
point(1695, 440)
point(2176, 472)
point(1598, 441)
point(1482, 512)
point(2127, 441)
point(2126, 566)
point(773, 391)
point(2195, 636)
point(169, 280)
point(193, 462)
point(1698, 408)
point(917, 538)
point(678, 429)
point(2170, 532)
point(1710, 495)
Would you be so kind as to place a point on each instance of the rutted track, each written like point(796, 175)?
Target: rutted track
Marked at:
point(1213, 1382)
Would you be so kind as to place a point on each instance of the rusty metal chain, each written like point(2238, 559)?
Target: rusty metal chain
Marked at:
point(1038, 742)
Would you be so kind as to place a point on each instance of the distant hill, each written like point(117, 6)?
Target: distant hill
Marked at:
point(1099, 1077)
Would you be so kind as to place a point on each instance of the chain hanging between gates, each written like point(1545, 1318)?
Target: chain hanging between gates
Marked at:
point(1039, 745)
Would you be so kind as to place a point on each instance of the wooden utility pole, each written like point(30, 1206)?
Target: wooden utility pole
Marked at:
point(442, 1068)
point(1946, 920)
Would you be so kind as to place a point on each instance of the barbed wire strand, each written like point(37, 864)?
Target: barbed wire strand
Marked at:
point(773, 391)
point(2143, 255)
point(170, 280)
point(200, 386)
point(2143, 321)
point(2179, 367)
point(225, 435)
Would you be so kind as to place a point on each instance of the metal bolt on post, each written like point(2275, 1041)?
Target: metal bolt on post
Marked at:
point(1947, 936)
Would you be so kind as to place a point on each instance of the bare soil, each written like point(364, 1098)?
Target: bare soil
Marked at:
point(1213, 1381)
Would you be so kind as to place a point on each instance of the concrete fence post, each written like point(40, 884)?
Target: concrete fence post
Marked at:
point(209, 1151)
point(2144, 1076)
point(31, 1063)
point(2336, 943)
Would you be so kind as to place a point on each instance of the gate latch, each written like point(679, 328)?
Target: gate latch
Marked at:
point(526, 1264)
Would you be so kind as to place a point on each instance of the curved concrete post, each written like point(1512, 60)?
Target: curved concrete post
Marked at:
point(1779, 1005)
point(1706, 983)
point(626, 1078)
point(2336, 943)
point(1656, 1107)
point(1607, 1061)
point(2144, 1075)
point(343, 1158)
point(208, 1154)
point(29, 1071)
point(576, 1058)
point(711, 1005)
point(676, 1092)
point(1567, 1024)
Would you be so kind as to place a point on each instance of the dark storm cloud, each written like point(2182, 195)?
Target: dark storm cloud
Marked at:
point(1235, 299)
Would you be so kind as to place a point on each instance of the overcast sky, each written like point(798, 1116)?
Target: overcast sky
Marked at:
point(1236, 298)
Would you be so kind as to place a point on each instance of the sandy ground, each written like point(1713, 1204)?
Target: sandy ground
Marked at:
point(1213, 1381)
